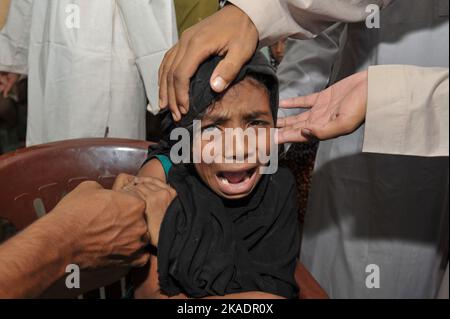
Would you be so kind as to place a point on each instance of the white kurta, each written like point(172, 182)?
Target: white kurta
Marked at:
point(91, 79)
point(371, 209)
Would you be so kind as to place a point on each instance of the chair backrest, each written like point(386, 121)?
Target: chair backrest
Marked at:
point(34, 179)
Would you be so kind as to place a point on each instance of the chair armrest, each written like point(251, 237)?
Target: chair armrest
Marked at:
point(309, 287)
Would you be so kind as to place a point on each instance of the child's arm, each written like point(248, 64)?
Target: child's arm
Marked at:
point(149, 288)
point(151, 186)
point(153, 169)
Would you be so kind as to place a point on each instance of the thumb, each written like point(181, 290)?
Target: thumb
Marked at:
point(227, 70)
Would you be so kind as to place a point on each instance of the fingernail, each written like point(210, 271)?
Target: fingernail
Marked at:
point(306, 132)
point(176, 116)
point(219, 84)
point(182, 109)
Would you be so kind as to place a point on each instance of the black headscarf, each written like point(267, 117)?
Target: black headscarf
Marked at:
point(201, 96)
point(210, 246)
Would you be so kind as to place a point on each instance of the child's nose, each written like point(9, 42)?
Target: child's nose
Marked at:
point(241, 149)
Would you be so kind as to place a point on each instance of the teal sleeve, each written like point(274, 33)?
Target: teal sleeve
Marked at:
point(166, 163)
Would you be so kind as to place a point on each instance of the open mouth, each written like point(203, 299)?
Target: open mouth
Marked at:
point(235, 183)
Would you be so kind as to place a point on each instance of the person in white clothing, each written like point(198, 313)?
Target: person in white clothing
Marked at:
point(395, 216)
point(92, 66)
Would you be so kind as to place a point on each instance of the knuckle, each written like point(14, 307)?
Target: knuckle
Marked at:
point(142, 229)
point(163, 70)
point(167, 193)
point(141, 261)
point(136, 246)
point(170, 75)
point(177, 77)
point(196, 41)
point(187, 35)
point(167, 54)
point(91, 184)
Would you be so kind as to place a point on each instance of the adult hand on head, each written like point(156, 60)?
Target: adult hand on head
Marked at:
point(109, 227)
point(7, 82)
point(229, 33)
point(336, 111)
point(158, 196)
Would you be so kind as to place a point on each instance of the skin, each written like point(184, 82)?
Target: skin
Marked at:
point(244, 106)
point(7, 82)
point(237, 108)
point(278, 50)
point(229, 33)
point(232, 34)
point(336, 111)
point(91, 227)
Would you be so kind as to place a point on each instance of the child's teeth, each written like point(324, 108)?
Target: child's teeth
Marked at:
point(225, 181)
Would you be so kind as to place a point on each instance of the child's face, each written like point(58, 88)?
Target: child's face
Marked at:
point(245, 106)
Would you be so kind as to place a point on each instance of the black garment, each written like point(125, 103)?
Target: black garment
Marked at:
point(208, 246)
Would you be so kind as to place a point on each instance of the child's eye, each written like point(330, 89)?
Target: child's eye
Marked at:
point(258, 123)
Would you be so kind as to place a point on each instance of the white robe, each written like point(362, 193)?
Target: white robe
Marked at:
point(93, 79)
point(371, 209)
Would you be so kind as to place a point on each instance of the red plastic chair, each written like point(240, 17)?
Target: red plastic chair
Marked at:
point(34, 179)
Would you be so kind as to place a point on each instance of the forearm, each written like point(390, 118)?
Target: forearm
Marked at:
point(276, 19)
point(150, 289)
point(34, 259)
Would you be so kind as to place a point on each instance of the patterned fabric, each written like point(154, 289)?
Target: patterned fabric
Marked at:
point(300, 159)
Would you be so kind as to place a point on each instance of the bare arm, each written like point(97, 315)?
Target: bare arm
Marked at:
point(35, 258)
point(153, 169)
point(234, 31)
point(276, 19)
point(90, 227)
point(149, 288)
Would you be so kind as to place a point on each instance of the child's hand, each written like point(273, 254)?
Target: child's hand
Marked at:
point(158, 196)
